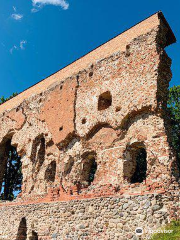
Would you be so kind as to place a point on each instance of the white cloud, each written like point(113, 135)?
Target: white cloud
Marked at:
point(34, 10)
point(21, 46)
point(13, 48)
point(17, 16)
point(61, 3)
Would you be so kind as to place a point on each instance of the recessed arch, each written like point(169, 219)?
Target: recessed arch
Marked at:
point(50, 172)
point(135, 165)
point(89, 168)
point(22, 230)
point(38, 153)
point(38, 149)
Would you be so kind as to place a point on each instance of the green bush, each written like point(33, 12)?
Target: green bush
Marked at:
point(175, 235)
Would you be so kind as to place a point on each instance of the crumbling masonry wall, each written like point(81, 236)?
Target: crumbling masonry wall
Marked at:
point(96, 219)
point(95, 114)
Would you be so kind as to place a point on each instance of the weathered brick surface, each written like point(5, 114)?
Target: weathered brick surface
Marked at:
point(99, 110)
point(58, 110)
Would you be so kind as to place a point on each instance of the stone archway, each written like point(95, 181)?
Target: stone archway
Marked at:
point(10, 171)
point(22, 230)
point(135, 165)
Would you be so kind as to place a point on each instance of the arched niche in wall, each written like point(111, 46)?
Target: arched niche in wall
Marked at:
point(38, 149)
point(22, 230)
point(38, 153)
point(135, 164)
point(89, 168)
point(50, 172)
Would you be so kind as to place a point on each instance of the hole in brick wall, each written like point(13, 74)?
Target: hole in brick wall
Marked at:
point(10, 172)
point(118, 109)
point(50, 173)
point(84, 121)
point(68, 166)
point(22, 230)
point(89, 168)
point(61, 128)
point(136, 165)
point(50, 143)
point(104, 101)
point(61, 87)
point(90, 74)
point(34, 236)
point(127, 50)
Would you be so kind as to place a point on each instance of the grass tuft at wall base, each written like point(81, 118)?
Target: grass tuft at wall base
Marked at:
point(175, 235)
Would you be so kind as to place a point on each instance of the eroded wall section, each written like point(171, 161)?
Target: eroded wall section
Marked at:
point(83, 134)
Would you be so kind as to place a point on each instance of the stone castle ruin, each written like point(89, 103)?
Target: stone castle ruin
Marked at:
point(79, 135)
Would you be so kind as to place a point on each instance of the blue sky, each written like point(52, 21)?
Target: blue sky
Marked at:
point(39, 37)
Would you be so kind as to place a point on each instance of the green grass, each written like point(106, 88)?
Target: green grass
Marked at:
point(175, 235)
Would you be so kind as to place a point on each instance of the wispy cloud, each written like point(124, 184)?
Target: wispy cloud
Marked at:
point(13, 48)
point(21, 46)
point(14, 8)
point(35, 9)
point(17, 16)
point(40, 3)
